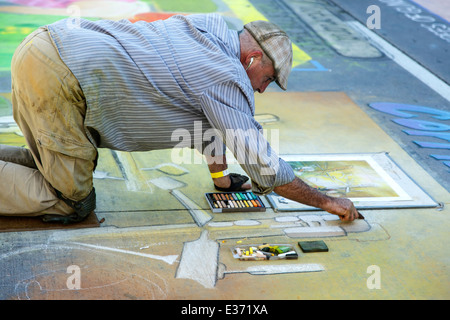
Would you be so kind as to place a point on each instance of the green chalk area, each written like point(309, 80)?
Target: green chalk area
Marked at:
point(198, 6)
point(14, 28)
point(5, 107)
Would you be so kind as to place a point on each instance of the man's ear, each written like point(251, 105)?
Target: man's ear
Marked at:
point(256, 55)
point(251, 58)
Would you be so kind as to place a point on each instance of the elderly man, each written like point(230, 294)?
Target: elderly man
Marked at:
point(82, 85)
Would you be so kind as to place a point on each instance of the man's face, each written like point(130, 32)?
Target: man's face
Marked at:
point(261, 75)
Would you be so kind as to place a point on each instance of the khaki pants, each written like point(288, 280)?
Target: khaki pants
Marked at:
point(49, 107)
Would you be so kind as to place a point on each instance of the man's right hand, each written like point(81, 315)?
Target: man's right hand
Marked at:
point(345, 209)
point(299, 191)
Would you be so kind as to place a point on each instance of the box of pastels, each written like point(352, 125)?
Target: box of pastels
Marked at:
point(264, 252)
point(234, 202)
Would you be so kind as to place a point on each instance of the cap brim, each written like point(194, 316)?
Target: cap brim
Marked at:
point(283, 75)
point(282, 86)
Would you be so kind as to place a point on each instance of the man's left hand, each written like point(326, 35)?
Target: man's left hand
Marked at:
point(232, 182)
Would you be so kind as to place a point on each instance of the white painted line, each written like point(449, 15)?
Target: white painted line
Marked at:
point(280, 269)
point(168, 259)
point(287, 268)
point(404, 61)
point(311, 232)
point(286, 219)
point(200, 216)
point(134, 180)
point(247, 223)
point(220, 224)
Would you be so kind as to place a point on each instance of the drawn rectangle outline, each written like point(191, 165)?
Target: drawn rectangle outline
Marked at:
point(410, 195)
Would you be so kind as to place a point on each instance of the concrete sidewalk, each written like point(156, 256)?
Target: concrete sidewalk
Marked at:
point(151, 244)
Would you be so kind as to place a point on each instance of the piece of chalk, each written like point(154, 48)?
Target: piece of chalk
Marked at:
point(313, 246)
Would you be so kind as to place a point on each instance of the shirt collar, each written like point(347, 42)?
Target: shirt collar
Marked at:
point(235, 44)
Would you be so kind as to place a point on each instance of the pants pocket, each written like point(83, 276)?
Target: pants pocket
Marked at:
point(66, 146)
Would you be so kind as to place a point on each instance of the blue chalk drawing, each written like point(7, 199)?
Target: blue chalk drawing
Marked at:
point(423, 128)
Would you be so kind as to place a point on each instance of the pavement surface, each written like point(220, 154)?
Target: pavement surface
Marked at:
point(369, 78)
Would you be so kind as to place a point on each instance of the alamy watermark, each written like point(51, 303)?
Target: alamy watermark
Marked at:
point(374, 20)
point(374, 280)
point(414, 13)
point(74, 12)
point(73, 282)
point(249, 147)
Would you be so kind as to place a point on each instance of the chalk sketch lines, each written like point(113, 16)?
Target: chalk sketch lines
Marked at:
point(25, 288)
point(207, 270)
point(102, 268)
point(165, 180)
point(41, 287)
point(111, 268)
point(170, 178)
point(105, 175)
point(169, 259)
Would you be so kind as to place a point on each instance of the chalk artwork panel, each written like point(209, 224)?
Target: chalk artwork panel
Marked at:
point(369, 180)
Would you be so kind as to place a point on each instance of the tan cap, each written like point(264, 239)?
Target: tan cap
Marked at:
point(276, 45)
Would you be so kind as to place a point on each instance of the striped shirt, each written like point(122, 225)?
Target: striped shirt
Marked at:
point(169, 83)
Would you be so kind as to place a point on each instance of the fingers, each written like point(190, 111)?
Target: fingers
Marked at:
point(351, 213)
point(345, 209)
point(232, 182)
point(346, 217)
point(246, 186)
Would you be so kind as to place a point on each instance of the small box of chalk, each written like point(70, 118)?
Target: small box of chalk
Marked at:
point(234, 202)
point(264, 252)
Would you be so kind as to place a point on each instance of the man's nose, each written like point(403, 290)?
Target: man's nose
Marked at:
point(263, 88)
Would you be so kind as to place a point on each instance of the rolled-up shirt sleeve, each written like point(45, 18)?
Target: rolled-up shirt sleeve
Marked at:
point(229, 112)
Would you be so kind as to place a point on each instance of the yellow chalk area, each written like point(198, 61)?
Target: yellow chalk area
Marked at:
point(16, 30)
point(245, 11)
